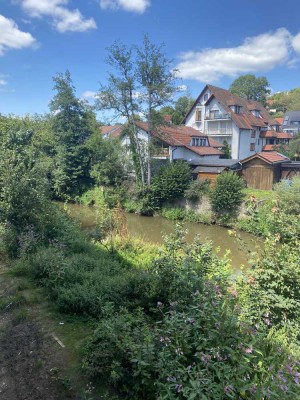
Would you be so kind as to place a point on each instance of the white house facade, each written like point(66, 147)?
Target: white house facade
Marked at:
point(223, 115)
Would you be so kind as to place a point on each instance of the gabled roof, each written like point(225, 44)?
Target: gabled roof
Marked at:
point(289, 117)
point(245, 119)
point(181, 135)
point(271, 157)
point(111, 130)
point(173, 135)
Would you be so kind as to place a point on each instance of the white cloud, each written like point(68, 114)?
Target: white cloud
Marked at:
point(63, 18)
point(138, 6)
point(3, 82)
point(88, 94)
point(296, 43)
point(11, 37)
point(256, 54)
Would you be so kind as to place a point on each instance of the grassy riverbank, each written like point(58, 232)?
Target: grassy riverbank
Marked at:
point(135, 317)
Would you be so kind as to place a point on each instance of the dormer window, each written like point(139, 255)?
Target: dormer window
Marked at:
point(256, 113)
point(236, 109)
point(198, 142)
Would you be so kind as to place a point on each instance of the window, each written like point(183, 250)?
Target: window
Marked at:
point(256, 113)
point(236, 109)
point(198, 114)
point(198, 141)
point(252, 146)
point(215, 114)
point(206, 97)
point(253, 133)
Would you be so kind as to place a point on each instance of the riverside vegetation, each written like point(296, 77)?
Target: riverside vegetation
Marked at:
point(169, 322)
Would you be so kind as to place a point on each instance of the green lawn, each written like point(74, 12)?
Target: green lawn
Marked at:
point(259, 194)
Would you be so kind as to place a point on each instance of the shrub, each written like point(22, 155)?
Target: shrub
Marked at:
point(274, 293)
point(197, 189)
point(175, 214)
point(196, 346)
point(227, 195)
point(288, 194)
point(171, 182)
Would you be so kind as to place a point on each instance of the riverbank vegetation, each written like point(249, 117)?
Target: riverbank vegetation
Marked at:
point(169, 322)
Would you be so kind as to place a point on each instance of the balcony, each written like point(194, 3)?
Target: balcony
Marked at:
point(217, 116)
point(218, 132)
point(161, 153)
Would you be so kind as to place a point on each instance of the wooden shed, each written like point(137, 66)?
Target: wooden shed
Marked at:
point(210, 169)
point(263, 169)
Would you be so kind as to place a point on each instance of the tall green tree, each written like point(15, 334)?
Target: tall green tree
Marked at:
point(140, 84)
point(120, 95)
point(251, 87)
point(73, 123)
point(178, 110)
point(157, 82)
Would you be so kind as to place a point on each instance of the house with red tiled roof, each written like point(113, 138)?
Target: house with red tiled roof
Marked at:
point(223, 115)
point(274, 140)
point(173, 142)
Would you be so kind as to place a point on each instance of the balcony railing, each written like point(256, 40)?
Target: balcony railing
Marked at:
point(219, 132)
point(216, 116)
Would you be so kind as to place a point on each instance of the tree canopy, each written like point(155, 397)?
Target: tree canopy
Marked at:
point(73, 124)
point(141, 82)
point(251, 87)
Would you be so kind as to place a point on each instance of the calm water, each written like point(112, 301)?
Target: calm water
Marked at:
point(151, 229)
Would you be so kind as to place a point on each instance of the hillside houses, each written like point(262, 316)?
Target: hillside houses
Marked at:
point(220, 114)
point(172, 142)
point(254, 137)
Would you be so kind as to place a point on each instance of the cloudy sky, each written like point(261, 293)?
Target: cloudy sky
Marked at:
point(210, 42)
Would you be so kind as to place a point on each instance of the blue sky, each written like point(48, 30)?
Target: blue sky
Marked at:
point(210, 42)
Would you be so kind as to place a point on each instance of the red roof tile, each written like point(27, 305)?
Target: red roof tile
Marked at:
point(274, 134)
point(279, 120)
point(111, 130)
point(172, 135)
point(274, 147)
point(245, 119)
point(271, 157)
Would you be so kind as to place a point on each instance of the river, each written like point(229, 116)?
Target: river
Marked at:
point(152, 229)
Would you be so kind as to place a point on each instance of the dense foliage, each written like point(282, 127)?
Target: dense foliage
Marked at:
point(286, 101)
point(73, 123)
point(171, 182)
point(227, 195)
point(251, 87)
point(196, 189)
point(276, 216)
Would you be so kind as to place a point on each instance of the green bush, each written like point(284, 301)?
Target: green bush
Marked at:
point(274, 293)
point(197, 345)
point(175, 214)
point(171, 182)
point(197, 189)
point(227, 195)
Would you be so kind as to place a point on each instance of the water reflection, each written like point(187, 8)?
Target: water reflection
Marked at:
point(152, 229)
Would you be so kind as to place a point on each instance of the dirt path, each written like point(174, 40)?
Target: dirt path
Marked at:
point(32, 363)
